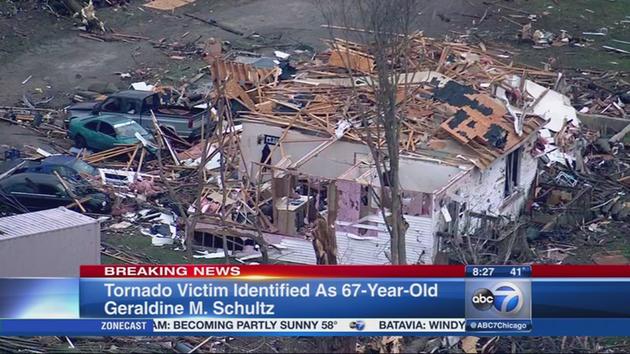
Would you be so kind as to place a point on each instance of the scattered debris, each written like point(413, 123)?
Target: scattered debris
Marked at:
point(456, 83)
point(471, 106)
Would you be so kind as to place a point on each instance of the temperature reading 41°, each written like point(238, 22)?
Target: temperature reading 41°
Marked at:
point(521, 272)
point(516, 272)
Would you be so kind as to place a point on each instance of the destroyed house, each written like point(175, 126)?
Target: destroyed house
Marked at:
point(463, 157)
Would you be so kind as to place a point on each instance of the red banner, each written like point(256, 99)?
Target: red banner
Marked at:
point(330, 271)
point(271, 271)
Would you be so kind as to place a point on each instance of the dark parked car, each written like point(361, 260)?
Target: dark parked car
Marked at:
point(66, 166)
point(39, 191)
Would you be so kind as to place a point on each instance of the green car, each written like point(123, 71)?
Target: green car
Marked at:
point(104, 132)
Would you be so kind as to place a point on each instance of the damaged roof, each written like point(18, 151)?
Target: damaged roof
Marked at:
point(323, 99)
point(481, 122)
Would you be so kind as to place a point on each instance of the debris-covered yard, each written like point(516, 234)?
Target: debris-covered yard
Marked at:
point(257, 132)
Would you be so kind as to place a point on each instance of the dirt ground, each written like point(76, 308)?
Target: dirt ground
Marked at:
point(49, 50)
point(43, 56)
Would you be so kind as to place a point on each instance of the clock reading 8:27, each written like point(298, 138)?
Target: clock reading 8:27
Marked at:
point(482, 272)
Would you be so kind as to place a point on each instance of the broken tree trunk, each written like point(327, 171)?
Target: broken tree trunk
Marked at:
point(325, 245)
point(324, 237)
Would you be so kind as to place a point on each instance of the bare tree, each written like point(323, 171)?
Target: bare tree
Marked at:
point(384, 28)
point(199, 175)
point(224, 136)
point(189, 221)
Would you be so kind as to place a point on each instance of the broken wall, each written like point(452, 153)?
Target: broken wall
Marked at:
point(330, 163)
point(417, 175)
point(425, 176)
point(482, 191)
point(353, 201)
point(361, 237)
point(416, 203)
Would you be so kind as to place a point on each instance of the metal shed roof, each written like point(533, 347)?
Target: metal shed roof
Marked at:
point(40, 222)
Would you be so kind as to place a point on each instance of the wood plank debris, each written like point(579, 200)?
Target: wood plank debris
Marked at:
point(167, 5)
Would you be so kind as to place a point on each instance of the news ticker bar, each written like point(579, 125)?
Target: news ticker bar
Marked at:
point(338, 325)
point(368, 327)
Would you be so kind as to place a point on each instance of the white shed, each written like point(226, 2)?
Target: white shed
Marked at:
point(48, 243)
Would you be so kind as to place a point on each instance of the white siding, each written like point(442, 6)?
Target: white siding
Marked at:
point(292, 250)
point(419, 240)
point(482, 191)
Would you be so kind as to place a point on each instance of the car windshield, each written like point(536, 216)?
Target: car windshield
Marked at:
point(82, 167)
point(129, 129)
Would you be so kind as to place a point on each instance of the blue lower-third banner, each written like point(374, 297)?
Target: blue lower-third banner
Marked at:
point(315, 306)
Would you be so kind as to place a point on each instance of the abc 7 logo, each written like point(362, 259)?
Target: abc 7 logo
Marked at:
point(506, 298)
point(358, 325)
